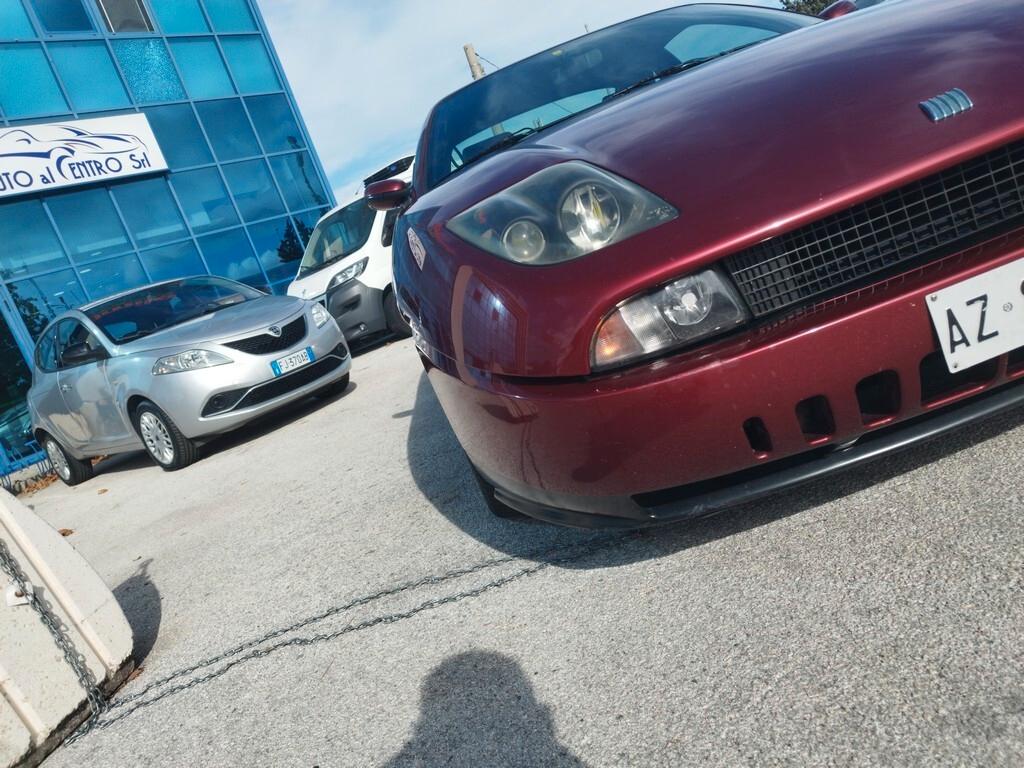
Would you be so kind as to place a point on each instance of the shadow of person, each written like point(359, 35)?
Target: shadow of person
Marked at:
point(442, 473)
point(140, 600)
point(477, 709)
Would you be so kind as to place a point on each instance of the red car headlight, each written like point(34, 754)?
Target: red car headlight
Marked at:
point(679, 313)
point(559, 214)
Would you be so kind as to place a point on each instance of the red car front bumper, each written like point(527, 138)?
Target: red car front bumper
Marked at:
point(853, 378)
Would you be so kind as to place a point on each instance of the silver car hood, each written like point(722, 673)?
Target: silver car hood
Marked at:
point(250, 317)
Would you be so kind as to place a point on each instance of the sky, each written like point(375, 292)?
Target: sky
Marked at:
point(366, 72)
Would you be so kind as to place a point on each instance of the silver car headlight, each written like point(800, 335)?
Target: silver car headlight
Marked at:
point(192, 360)
point(684, 311)
point(320, 315)
point(559, 214)
point(349, 273)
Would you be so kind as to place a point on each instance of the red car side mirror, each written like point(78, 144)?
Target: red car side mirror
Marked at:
point(838, 8)
point(387, 195)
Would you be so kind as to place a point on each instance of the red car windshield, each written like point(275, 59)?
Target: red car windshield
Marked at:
point(561, 82)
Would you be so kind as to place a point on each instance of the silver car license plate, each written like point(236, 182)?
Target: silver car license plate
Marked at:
point(980, 318)
point(287, 364)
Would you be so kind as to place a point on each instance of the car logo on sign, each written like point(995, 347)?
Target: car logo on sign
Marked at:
point(274, 331)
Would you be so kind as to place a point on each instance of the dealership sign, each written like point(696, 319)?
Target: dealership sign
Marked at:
point(38, 158)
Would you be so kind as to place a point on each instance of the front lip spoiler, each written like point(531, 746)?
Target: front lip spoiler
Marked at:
point(692, 502)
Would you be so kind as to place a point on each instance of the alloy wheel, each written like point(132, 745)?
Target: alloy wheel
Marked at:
point(58, 460)
point(156, 437)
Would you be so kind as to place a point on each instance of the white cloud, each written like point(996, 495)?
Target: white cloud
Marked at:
point(365, 74)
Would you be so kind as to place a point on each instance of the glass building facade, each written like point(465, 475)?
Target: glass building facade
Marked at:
point(244, 189)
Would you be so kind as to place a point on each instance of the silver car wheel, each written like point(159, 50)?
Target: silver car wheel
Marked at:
point(156, 437)
point(58, 460)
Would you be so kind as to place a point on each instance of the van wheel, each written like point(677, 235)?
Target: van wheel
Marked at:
point(396, 323)
point(69, 469)
point(164, 442)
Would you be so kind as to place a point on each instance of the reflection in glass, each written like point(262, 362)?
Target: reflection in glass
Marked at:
point(171, 261)
point(228, 128)
point(89, 224)
point(279, 251)
point(253, 190)
point(89, 75)
point(179, 135)
point(14, 23)
point(179, 17)
point(230, 15)
point(298, 180)
point(305, 223)
point(147, 67)
point(202, 68)
point(28, 241)
point(105, 278)
point(40, 299)
point(150, 212)
point(229, 254)
point(61, 15)
point(204, 199)
point(15, 378)
point(250, 64)
point(276, 125)
point(27, 85)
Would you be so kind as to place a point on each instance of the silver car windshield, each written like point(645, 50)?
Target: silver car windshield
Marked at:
point(340, 234)
point(157, 307)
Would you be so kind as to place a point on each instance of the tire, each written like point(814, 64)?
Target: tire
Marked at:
point(70, 470)
point(164, 442)
point(497, 509)
point(393, 317)
point(334, 388)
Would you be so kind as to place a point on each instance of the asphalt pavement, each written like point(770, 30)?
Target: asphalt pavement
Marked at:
point(326, 588)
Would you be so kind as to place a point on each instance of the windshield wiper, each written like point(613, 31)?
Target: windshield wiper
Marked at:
point(675, 69)
point(506, 141)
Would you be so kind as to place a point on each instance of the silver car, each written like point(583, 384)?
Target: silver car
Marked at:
point(167, 365)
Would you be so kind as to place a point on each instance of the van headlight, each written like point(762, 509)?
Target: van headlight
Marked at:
point(192, 360)
point(559, 214)
point(686, 310)
point(349, 273)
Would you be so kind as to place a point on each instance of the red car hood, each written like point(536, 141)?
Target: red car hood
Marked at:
point(745, 148)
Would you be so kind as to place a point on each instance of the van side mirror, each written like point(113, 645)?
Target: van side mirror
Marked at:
point(838, 8)
point(388, 194)
point(80, 354)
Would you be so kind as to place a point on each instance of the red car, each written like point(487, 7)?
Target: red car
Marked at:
point(716, 251)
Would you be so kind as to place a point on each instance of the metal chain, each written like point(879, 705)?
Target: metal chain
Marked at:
point(58, 631)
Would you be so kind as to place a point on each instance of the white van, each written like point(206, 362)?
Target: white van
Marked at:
point(347, 265)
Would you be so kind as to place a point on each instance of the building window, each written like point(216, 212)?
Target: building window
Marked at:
point(253, 189)
point(105, 278)
point(147, 67)
point(125, 16)
point(275, 123)
point(40, 299)
point(306, 222)
point(279, 251)
point(62, 16)
point(179, 135)
point(204, 199)
point(27, 84)
point(298, 180)
point(89, 76)
point(202, 68)
point(229, 130)
point(89, 224)
point(14, 23)
point(250, 64)
point(29, 243)
point(150, 212)
point(171, 261)
point(230, 255)
point(230, 15)
point(179, 17)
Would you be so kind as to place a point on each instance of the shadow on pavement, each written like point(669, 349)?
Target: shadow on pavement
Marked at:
point(478, 709)
point(140, 600)
point(442, 473)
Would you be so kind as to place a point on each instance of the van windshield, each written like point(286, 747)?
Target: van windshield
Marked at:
point(340, 234)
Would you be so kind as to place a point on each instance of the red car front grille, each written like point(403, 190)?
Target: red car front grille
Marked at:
point(897, 230)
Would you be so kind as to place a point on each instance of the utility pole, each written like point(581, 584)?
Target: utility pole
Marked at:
point(475, 67)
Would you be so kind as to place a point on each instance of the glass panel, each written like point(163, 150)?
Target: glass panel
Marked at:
point(89, 224)
point(250, 64)
point(125, 16)
point(230, 15)
point(699, 40)
point(150, 212)
point(105, 278)
point(275, 123)
point(179, 17)
point(202, 68)
point(14, 23)
point(89, 76)
point(279, 251)
point(62, 15)
point(254, 190)
point(229, 129)
point(149, 71)
point(299, 181)
point(204, 199)
point(306, 222)
point(229, 254)
point(15, 378)
point(27, 85)
point(28, 241)
point(180, 137)
point(40, 299)
point(171, 261)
